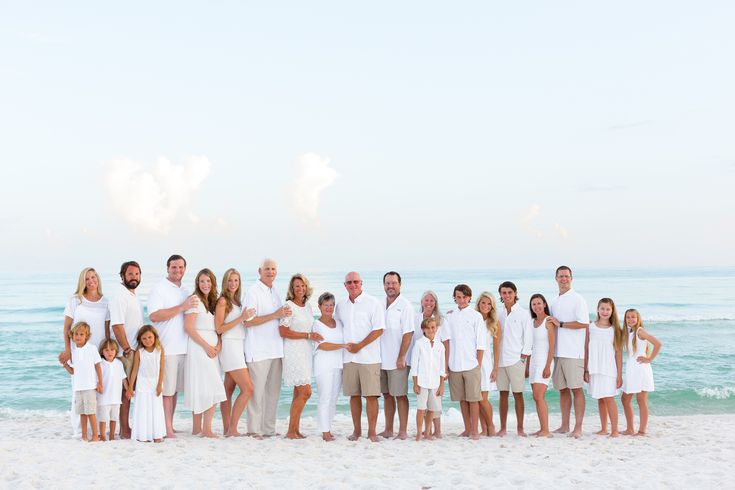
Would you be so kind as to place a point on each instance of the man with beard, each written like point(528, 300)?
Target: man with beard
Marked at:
point(126, 317)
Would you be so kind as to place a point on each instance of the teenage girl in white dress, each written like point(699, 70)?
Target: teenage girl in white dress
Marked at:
point(542, 359)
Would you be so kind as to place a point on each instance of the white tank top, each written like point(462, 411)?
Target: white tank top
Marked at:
point(238, 331)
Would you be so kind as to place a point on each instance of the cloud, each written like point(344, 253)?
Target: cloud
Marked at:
point(529, 222)
point(530, 214)
point(563, 232)
point(152, 199)
point(313, 176)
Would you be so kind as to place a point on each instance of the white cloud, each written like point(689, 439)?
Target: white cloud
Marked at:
point(530, 214)
point(151, 199)
point(563, 232)
point(313, 176)
point(531, 225)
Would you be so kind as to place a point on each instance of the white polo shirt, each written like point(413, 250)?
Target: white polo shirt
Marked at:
point(516, 335)
point(263, 341)
point(466, 335)
point(570, 307)
point(358, 319)
point(126, 310)
point(113, 374)
point(166, 295)
point(427, 363)
point(399, 320)
point(83, 360)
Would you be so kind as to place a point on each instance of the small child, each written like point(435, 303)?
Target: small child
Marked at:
point(84, 366)
point(605, 364)
point(113, 380)
point(428, 373)
point(638, 372)
point(148, 423)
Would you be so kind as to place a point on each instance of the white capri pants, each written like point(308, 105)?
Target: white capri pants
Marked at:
point(328, 385)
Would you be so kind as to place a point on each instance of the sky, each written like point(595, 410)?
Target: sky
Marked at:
point(381, 135)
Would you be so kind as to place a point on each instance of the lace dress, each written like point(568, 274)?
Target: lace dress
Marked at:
point(297, 354)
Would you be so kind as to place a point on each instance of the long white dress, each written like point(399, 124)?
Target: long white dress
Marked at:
point(539, 355)
point(638, 376)
point(148, 422)
point(203, 387)
point(601, 363)
point(232, 355)
point(297, 354)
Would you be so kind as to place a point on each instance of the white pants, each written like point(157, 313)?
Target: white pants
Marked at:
point(263, 405)
point(328, 385)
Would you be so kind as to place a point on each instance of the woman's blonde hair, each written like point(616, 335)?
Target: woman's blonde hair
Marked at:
point(436, 313)
point(634, 328)
point(290, 294)
point(210, 300)
point(491, 322)
point(81, 284)
point(619, 338)
point(231, 298)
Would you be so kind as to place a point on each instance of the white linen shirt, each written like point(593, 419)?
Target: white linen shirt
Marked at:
point(263, 341)
point(113, 374)
point(466, 335)
point(418, 333)
point(427, 363)
point(570, 307)
point(126, 310)
point(358, 319)
point(399, 320)
point(517, 334)
point(83, 360)
point(166, 295)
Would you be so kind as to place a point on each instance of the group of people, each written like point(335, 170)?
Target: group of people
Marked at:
point(366, 346)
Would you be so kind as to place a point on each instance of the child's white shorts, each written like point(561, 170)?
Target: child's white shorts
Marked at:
point(108, 413)
point(427, 399)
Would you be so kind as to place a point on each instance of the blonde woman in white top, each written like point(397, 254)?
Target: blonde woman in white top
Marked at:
point(487, 307)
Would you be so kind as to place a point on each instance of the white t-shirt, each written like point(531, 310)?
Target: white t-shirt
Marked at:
point(427, 363)
point(326, 361)
point(466, 335)
point(83, 360)
point(94, 313)
point(263, 341)
point(166, 295)
point(113, 374)
point(360, 318)
point(399, 320)
point(517, 334)
point(570, 307)
point(126, 310)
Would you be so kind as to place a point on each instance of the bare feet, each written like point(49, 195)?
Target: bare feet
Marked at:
point(602, 432)
point(614, 434)
point(628, 432)
point(301, 436)
point(403, 436)
point(170, 435)
point(561, 430)
point(576, 434)
point(501, 433)
point(437, 435)
point(640, 433)
point(543, 434)
point(355, 436)
point(374, 438)
point(464, 434)
point(157, 440)
point(419, 436)
point(521, 433)
point(475, 436)
point(102, 438)
point(258, 437)
point(233, 434)
point(386, 433)
point(210, 435)
point(327, 436)
point(292, 435)
point(95, 439)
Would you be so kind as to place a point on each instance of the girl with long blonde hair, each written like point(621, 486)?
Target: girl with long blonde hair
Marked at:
point(488, 309)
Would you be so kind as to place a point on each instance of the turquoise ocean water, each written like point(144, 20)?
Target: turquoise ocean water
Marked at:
point(690, 310)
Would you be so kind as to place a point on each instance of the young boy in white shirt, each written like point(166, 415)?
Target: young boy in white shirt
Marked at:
point(86, 379)
point(428, 373)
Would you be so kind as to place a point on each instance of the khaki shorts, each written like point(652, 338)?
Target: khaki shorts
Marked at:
point(108, 413)
point(512, 378)
point(361, 379)
point(427, 399)
point(568, 373)
point(394, 381)
point(465, 385)
point(85, 402)
point(173, 374)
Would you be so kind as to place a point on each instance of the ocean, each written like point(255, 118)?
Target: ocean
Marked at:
point(690, 310)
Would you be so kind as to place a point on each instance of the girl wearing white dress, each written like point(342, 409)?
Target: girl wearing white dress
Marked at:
point(228, 320)
point(638, 372)
point(298, 349)
point(605, 364)
point(542, 359)
point(146, 381)
point(203, 387)
point(487, 308)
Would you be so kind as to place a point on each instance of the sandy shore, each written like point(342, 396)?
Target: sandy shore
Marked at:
point(697, 451)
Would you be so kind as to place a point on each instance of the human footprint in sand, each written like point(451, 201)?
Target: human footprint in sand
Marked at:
point(428, 373)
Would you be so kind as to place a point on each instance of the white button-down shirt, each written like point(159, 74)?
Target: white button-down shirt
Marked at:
point(263, 341)
point(126, 310)
point(570, 307)
point(399, 320)
point(466, 335)
point(358, 319)
point(517, 334)
point(427, 363)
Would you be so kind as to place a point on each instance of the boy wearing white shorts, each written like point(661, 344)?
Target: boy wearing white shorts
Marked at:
point(428, 374)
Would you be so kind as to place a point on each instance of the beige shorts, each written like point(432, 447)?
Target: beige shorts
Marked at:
point(394, 381)
point(108, 413)
point(427, 399)
point(361, 379)
point(85, 402)
point(173, 374)
point(568, 373)
point(512, 378)
point(465, 385)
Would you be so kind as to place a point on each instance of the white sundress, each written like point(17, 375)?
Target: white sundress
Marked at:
point(539, 355)
point(601, 363)
point(638, 376)
point(298, 353)
point(203, 387)
point(487, 365)
point(232, 355)
point(148, 422)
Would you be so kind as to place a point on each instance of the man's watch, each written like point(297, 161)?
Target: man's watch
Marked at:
point(561, 325)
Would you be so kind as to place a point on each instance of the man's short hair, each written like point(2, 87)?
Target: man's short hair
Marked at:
point(175, 257)
point(563, 268)
point(124, 267)
point(392, 273)
point(462, 288)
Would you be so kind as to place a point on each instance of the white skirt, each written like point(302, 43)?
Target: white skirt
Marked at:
point(203, 387)
point(638, 377)
point(602, 386)
point(232, 355)
point(536, 373)
point(147, 422)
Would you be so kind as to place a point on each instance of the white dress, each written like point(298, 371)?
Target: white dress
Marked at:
point(148, 422)
point(487, 365)
point(638, 376)
point(297, 354)
point(232, 355)
point(601, 363)
point(539, 355)
point(203, 387)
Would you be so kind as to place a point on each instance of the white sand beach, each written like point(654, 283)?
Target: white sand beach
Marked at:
point(680, 452)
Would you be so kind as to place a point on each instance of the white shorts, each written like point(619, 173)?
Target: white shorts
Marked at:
point(173, 374)
point(108, 413)
point(427, 399)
